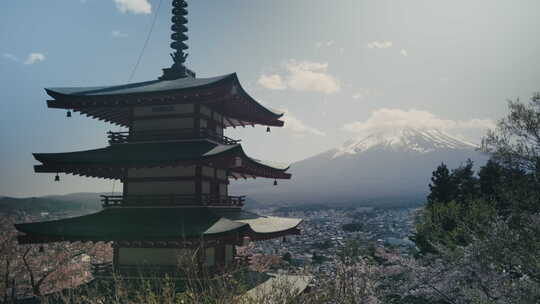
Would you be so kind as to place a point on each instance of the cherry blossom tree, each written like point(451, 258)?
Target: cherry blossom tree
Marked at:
point(37, 270)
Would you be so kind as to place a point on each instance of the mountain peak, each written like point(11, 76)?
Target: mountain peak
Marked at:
point(419, 140)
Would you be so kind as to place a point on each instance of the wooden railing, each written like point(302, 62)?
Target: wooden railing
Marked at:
point(172, 134)
point(172, 200)
point(107, 270)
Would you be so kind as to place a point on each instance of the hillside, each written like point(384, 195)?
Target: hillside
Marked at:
point(71, 203)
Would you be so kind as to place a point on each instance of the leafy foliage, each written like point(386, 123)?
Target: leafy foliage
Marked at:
point(486, 228)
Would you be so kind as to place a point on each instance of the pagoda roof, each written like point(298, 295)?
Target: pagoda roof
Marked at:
point(258, 223)
point(112, 161)
point(112, 103)
point(153, 86)
point(156, 224)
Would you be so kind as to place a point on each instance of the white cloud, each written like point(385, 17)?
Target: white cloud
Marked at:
point(303, 76)
point(404, 52)
point(118, 34)
point(134, 6)
point(328, 43)
point(311, 76)
point(11, 57)
point(272, 82)
point(297, 126)
point(34, 58)
point(364, 93)
point(396, 118)
point(380, 44)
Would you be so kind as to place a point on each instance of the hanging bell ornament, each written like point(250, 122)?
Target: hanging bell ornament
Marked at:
point(68, 114)
point(57, 178)
point(284, 240)
point(275, 182)
point(268, 129)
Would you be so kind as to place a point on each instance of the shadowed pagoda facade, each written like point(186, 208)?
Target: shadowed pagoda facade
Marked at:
point(175, 164)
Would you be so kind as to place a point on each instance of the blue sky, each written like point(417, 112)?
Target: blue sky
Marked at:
point(339, 68)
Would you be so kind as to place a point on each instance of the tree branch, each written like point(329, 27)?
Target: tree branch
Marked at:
point(30, 272)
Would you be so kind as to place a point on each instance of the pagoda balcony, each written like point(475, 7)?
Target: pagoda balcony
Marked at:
point(204, 200)
point(172, 134)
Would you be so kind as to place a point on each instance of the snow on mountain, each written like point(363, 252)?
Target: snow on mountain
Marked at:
point(404, 139)
point(385, 165)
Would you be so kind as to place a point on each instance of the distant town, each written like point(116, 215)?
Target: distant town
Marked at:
point(325, 231)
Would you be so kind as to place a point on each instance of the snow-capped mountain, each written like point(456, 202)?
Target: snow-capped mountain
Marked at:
point(419, 140)
point(392, 164)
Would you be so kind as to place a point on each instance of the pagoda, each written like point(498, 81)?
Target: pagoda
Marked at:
point(175, 164)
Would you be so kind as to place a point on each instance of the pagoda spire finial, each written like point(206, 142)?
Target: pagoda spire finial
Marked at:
point(179, 45)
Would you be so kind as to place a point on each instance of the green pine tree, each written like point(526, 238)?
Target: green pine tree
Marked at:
point(442, 187)
point(490, 180)
point(465, 183)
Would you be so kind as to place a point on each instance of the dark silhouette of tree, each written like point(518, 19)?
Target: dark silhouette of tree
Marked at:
point(460, 185)
point(465, 183)
point(442, 186)
point(490, 180)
